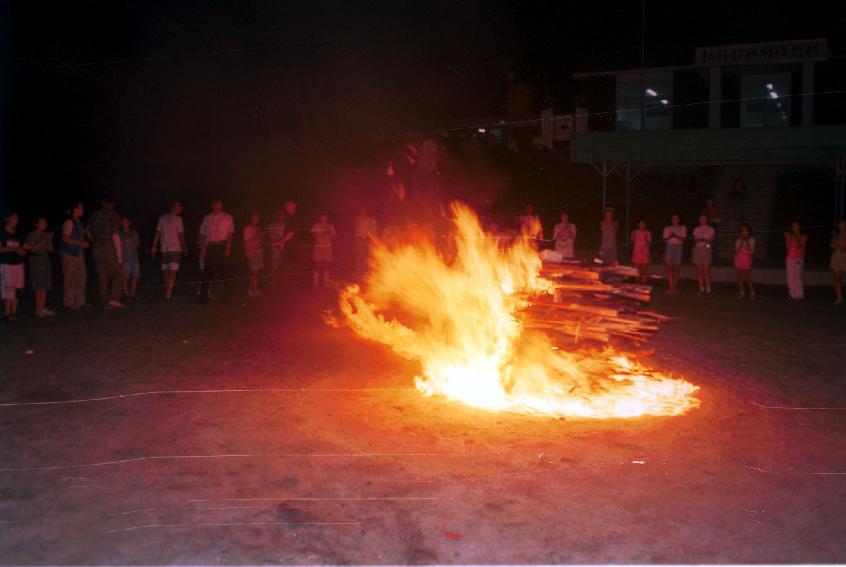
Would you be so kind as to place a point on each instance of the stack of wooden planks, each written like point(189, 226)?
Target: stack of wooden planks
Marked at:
point(593, 303)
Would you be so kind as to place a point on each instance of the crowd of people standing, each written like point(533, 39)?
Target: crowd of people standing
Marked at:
point(702, 238)
point(114, 245)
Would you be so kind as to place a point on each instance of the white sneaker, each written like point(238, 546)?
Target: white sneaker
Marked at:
point(40, 313)
point(48, 312)
point(116, 304)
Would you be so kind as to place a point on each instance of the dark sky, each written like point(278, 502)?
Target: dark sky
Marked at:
point(196, 94)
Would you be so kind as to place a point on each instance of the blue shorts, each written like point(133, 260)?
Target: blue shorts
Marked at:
point(131, 268)
point(673, 255)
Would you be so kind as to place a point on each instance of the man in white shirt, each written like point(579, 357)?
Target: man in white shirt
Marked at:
point(170, 233)
point(216, 234)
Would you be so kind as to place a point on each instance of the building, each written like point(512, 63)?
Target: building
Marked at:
point(752, 112)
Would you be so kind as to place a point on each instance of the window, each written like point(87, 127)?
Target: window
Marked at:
point(766, 100)
point(652, 91)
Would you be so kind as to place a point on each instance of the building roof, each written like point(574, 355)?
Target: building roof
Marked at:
point(713, 146)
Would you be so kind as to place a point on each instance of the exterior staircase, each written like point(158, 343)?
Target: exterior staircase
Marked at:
point(755, 209)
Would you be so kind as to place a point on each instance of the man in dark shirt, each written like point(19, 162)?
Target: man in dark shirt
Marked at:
point(104, 233)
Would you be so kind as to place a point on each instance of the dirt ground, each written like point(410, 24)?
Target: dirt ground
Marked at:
point(320, 450)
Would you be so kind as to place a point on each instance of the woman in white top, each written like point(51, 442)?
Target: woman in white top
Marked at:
point(703, 236)
point(564, 235)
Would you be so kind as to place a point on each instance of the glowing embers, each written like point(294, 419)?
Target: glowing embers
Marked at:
point(457, 312)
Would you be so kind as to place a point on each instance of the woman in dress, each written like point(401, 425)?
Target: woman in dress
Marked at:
point(608, 246)
point(323, 234)
point(703, 236)
point(641, 242)
point(744, 249)
point(12, 274)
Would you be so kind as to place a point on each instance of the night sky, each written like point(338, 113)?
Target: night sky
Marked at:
point(152, 100)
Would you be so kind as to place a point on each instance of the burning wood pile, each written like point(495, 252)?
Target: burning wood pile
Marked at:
point(483, 321)
point(592, 304)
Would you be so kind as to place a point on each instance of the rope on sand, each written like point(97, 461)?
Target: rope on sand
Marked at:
point(795, 408)
point(222, 456)
point(220, 391)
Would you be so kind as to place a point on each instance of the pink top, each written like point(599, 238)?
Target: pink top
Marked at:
point(795, 250)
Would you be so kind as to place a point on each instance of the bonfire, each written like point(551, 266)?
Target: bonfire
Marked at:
point(494, 329)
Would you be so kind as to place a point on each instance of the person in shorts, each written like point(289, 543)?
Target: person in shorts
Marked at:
point(170, 237)
point(674, 235)
point(703, 236)
point(129, 241)
point(12, 253)
point(39, 243)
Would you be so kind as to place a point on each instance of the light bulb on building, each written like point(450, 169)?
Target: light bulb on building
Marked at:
point(651, 92)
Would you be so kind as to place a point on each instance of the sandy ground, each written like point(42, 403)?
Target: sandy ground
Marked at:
point(339, 460)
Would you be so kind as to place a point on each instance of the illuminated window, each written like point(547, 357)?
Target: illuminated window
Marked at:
point(766, 100)
point(653, 91)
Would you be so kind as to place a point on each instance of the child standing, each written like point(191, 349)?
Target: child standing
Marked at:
point(129, 242)
point(323, 233)
point(39, 242)
point(12, 276)
point(794, 243)
point(253, 251)
point(674, 235)
point(641, 239)
point(703, 236)
point(744, 249)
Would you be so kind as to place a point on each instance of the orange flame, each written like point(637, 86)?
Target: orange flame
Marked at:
point(460, 318)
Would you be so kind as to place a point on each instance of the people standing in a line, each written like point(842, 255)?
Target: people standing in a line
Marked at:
point(529, 225)
point(216, 234)
point(277, 236)
point(744, 250)
point(364, 228)
point(703, 236)
point(12, 276)
point(323, 234)
point(72, 251)
point(130, 240)
point(674, 235)
point(39, 243)
point(104, 232)
point(838, 260)
point(641, 240)
point(253, 252)
point(608, 244)
point(170, 237)
point(564, 235)
point(795, 242)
